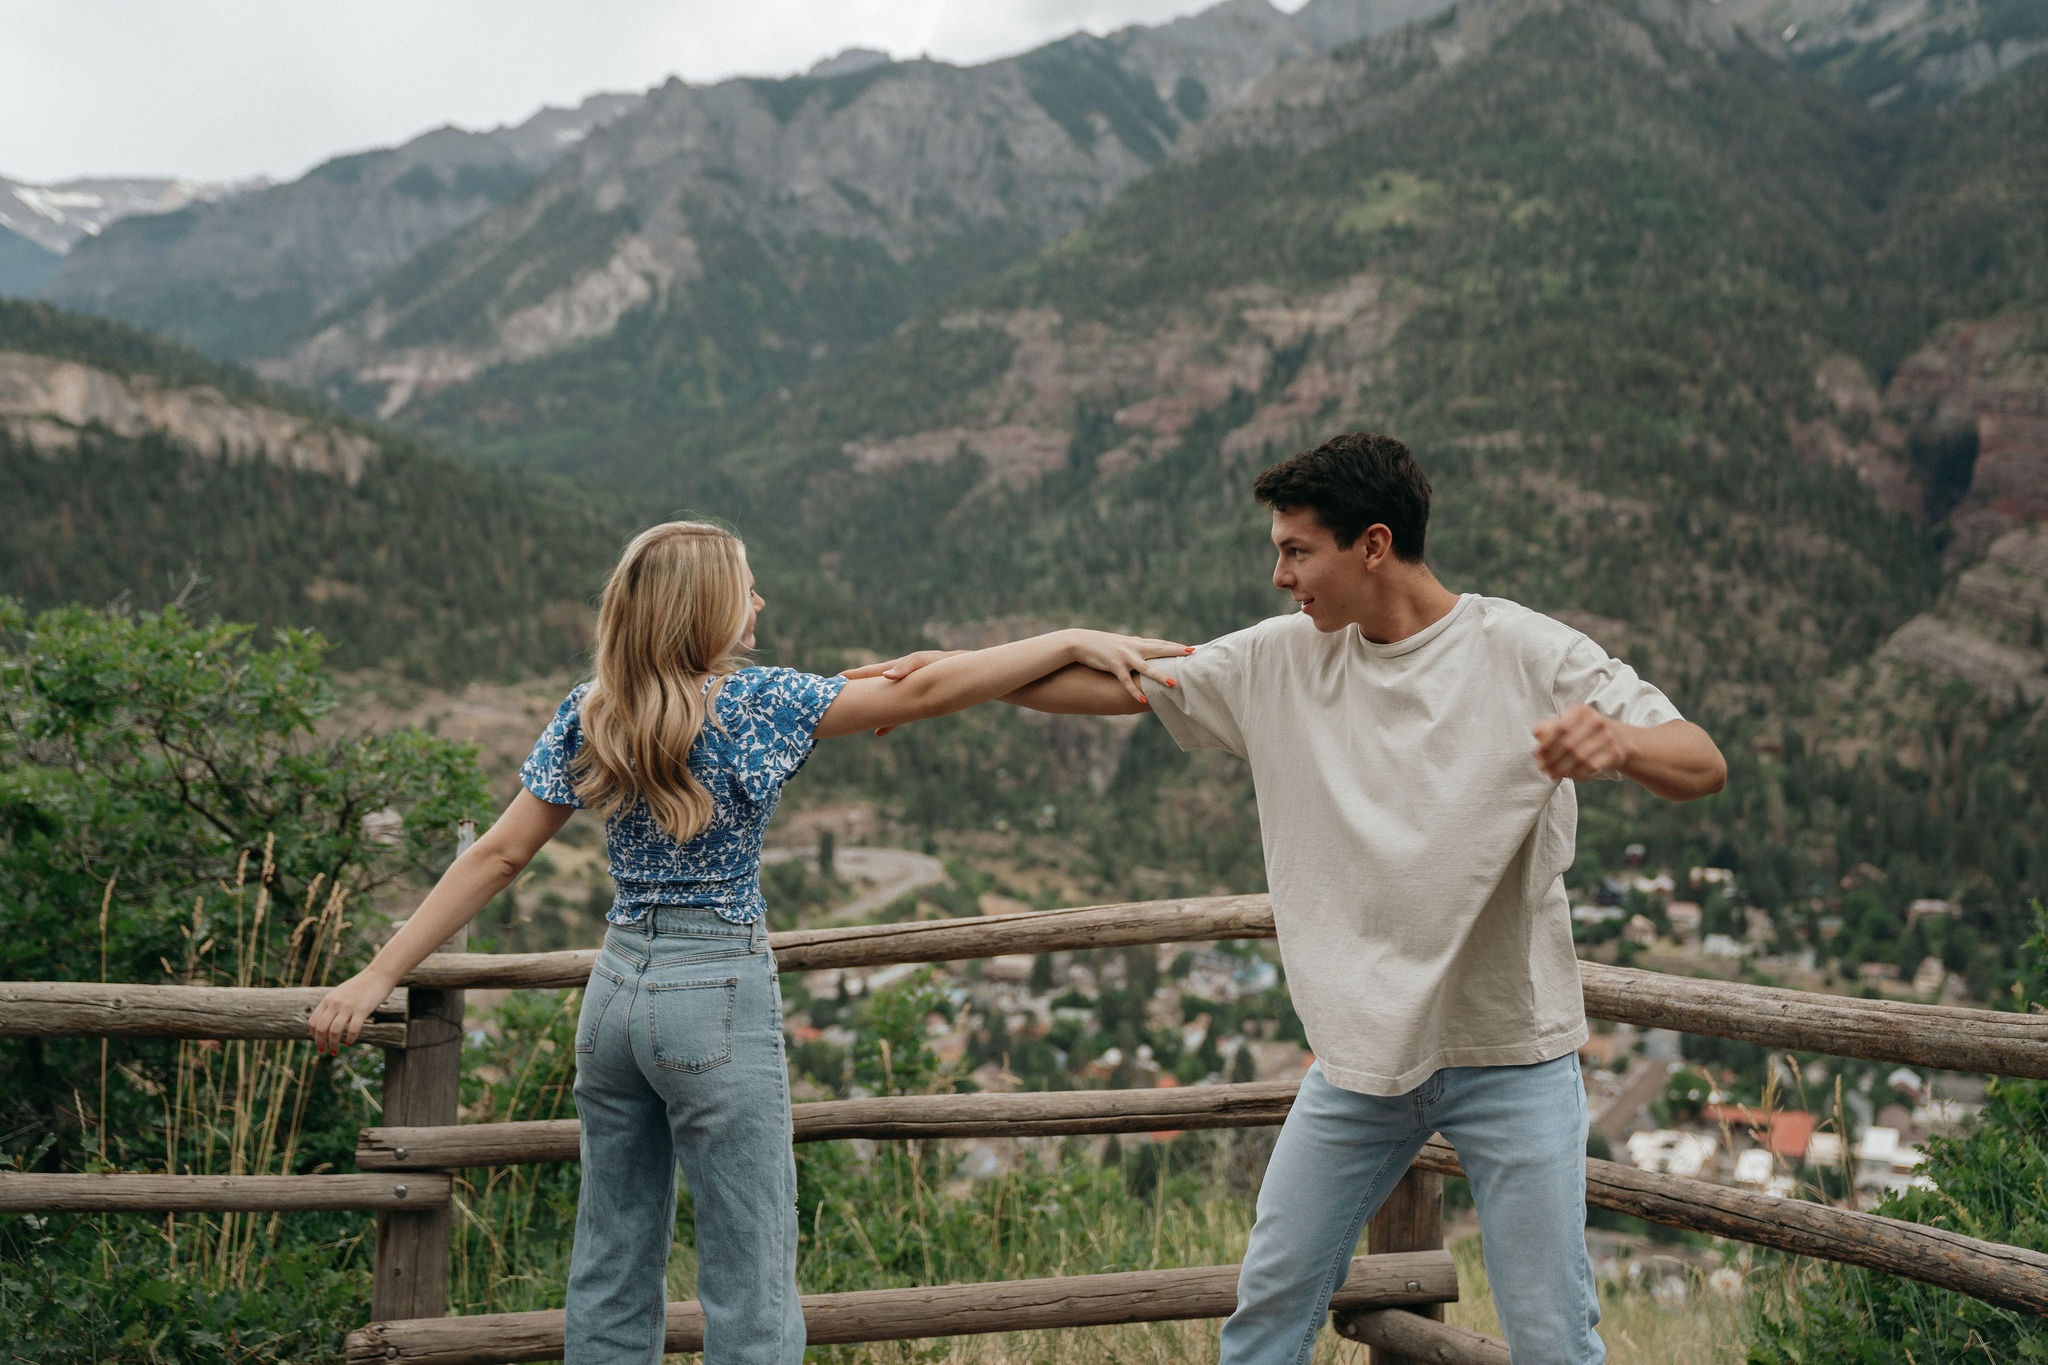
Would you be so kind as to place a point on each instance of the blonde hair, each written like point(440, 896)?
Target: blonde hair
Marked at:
point(668, 630)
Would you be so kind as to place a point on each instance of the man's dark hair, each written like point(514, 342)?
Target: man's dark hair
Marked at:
point(1350, 482)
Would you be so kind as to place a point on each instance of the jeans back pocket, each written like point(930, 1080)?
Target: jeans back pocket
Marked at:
point(597, 997)
point(690, 1022)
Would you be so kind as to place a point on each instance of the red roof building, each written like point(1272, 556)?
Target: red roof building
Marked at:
point(1785, 1132)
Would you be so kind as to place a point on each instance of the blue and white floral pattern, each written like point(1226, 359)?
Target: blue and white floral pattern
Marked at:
point(767, 719)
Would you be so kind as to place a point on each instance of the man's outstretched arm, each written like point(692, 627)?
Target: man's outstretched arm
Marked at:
point(1676, 760)
point(1077, 690)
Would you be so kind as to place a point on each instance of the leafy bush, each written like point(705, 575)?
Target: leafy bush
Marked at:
point(1991, 1183)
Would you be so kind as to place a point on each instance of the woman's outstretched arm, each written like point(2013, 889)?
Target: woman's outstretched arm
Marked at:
point(958, 681)
point(489, 866)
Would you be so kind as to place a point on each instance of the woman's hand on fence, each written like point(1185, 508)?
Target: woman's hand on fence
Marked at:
point(1125, 657)
point(338, 1020)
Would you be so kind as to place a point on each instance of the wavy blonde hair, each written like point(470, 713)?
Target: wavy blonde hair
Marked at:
point(668, 632)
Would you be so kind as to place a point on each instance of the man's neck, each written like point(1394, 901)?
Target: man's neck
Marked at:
point(1410, 601)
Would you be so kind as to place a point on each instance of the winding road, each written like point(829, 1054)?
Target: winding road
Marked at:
point(894, 871)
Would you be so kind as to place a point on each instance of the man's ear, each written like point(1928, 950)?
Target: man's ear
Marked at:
point(1375, 545)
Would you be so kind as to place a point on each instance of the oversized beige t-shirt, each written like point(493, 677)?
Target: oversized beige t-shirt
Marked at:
point(1414, 848)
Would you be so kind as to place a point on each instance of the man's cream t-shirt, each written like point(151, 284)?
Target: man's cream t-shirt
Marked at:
point(1414, 848)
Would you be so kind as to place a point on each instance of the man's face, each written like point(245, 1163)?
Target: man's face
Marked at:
point(1330, 583)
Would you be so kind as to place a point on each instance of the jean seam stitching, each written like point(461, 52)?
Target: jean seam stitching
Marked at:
point(731, 987)
point(1330, 1275)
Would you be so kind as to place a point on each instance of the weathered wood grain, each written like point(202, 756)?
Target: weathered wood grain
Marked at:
point(1942, 1036)
point(37, 1193)
point(1411, 1336)
point(90, 1009)
point(2011, 1277)
point(422, 1086)
point(938, 1311)
point(1991, 1271)
point(1411, 1219)
point(1948, 1037)
point(909, 1116)
point(867, 945)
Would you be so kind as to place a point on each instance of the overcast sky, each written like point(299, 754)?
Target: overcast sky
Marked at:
point(221, 89)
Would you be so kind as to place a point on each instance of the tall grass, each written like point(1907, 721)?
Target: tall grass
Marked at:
point(239, 1108)
point(216, 1286)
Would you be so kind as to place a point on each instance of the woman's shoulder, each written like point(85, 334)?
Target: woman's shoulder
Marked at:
point(776, 694)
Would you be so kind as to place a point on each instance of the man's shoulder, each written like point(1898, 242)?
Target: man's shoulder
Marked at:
point(1288, 631)
point(1526, 630)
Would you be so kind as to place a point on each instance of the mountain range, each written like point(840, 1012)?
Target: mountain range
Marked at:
point(723, 242)
point(1724, 342)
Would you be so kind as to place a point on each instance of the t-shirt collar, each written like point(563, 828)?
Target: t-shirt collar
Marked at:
point(1408, 645)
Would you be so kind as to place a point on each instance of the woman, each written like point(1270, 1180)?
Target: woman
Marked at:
point(683, 749)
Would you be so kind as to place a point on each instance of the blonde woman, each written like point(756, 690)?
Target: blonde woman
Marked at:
point(683, 749)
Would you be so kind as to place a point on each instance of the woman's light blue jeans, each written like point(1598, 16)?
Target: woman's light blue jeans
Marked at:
point(679, 1062)
point(1520, 1132)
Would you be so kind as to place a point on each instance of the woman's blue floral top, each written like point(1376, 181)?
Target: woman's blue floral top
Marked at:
point(766, 724)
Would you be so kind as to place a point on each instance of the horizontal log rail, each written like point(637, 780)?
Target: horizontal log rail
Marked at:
point(1196, 919)
point(1941, 1036)
point(1419, 1338)
point(37, 1193)
point(1047, 1114)
point(1416, 1277)
point(2008, 1276)
point(91, 1009)
point(1944, 1037)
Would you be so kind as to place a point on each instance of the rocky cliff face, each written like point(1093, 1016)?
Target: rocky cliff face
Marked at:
point(930, 163)
point(49, 404)
point(1988, 629)
point(238, 275)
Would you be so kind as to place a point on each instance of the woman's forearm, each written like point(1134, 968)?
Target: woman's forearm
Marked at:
point(464, 889)
point(982, 675)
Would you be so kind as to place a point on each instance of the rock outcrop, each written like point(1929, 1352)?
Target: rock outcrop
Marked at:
point(50, 404)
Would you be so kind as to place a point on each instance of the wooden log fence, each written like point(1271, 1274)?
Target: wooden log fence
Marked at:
point(1944, 1037)
point(1408, 1335)
point(406, 1162)
point(37, 1193)
point(2009, 1276)
point(937, 1311)
point(90, 1009)
point(2012, 1277)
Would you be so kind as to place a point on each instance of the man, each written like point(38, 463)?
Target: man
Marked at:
point(1413, 753)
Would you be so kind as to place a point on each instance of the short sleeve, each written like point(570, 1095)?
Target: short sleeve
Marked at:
point(545, 772)
point(1590, 676)
point(1205, 708)
point(772, 718)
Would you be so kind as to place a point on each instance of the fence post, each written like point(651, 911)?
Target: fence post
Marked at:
point(422, 1085)
point(1412, 1219)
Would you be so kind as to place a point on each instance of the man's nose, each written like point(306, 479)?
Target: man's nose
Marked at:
point(1281, 576)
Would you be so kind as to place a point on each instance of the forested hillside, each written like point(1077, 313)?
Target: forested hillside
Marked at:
point(142, 472)
point(1616, 284)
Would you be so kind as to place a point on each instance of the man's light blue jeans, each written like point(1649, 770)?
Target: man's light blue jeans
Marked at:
point(679, 1061)
point(1520, 1132)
